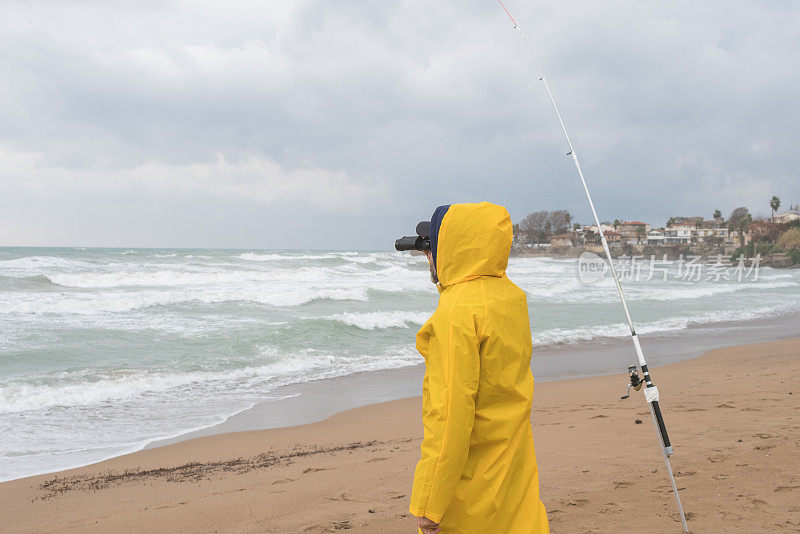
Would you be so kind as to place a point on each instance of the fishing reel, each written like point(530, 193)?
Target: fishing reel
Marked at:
point(635, 381)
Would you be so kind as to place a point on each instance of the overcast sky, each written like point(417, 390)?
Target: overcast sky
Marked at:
point(303, 124)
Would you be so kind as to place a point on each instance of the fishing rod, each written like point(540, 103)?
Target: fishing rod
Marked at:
point(650, 389)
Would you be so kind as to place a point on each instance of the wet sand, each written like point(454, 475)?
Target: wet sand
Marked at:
point(733, 416)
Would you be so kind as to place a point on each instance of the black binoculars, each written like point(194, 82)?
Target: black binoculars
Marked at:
point(421, 241)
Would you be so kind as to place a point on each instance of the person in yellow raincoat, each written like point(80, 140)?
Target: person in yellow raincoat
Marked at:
point(478, 469)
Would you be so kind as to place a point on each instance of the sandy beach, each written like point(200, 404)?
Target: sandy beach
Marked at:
point(732, 416)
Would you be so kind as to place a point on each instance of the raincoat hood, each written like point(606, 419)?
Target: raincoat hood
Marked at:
point(469, 241)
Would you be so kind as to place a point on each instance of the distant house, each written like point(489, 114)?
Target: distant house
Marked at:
point(789, 216)
point(561, 241)
point(713, 231)
point(579, 235)
point(704, 235)
point(633, 232)
point(680, 232)
point(593, 228)
point(612, 237)
point(656, 237)
point(591, 235)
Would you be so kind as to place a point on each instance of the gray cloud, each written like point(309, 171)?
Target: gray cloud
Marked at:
point(340, 124)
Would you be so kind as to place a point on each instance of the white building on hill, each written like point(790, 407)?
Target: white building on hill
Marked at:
point(792, 215)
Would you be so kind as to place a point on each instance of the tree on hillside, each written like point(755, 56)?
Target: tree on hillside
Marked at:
point(740, 219)
point(744, 222)
point(534, 226)
point(737, 214)
point(774, 203)
point(717, 214)
point(559, 222)
point(538, 226)
point(639, 233)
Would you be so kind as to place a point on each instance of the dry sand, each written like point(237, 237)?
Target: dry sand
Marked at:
point(732, 415)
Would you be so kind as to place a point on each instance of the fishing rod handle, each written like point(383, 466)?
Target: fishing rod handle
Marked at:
point(651, 394)
point(662, 428)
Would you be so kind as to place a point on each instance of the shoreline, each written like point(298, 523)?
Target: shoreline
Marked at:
point(315, 400)
point(598, 469)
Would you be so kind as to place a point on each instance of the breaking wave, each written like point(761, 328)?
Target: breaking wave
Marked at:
point(75, 389)
point(376, 320)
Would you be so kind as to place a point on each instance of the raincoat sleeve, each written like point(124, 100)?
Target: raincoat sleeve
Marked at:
point(451, 346)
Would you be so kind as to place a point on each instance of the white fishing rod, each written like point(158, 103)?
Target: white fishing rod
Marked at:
point(650, 389)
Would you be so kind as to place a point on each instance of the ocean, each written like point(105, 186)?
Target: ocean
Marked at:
point(103, 351)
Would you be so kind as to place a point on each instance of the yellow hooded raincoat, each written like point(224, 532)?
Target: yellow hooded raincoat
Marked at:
point(478, 469)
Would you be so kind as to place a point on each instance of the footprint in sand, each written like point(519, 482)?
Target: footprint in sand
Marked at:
point(283, 481)
point(376, 460)
point(618, 485)
point(343, 497)
point(314, 469)
point(610, 507)
point(599, 416)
